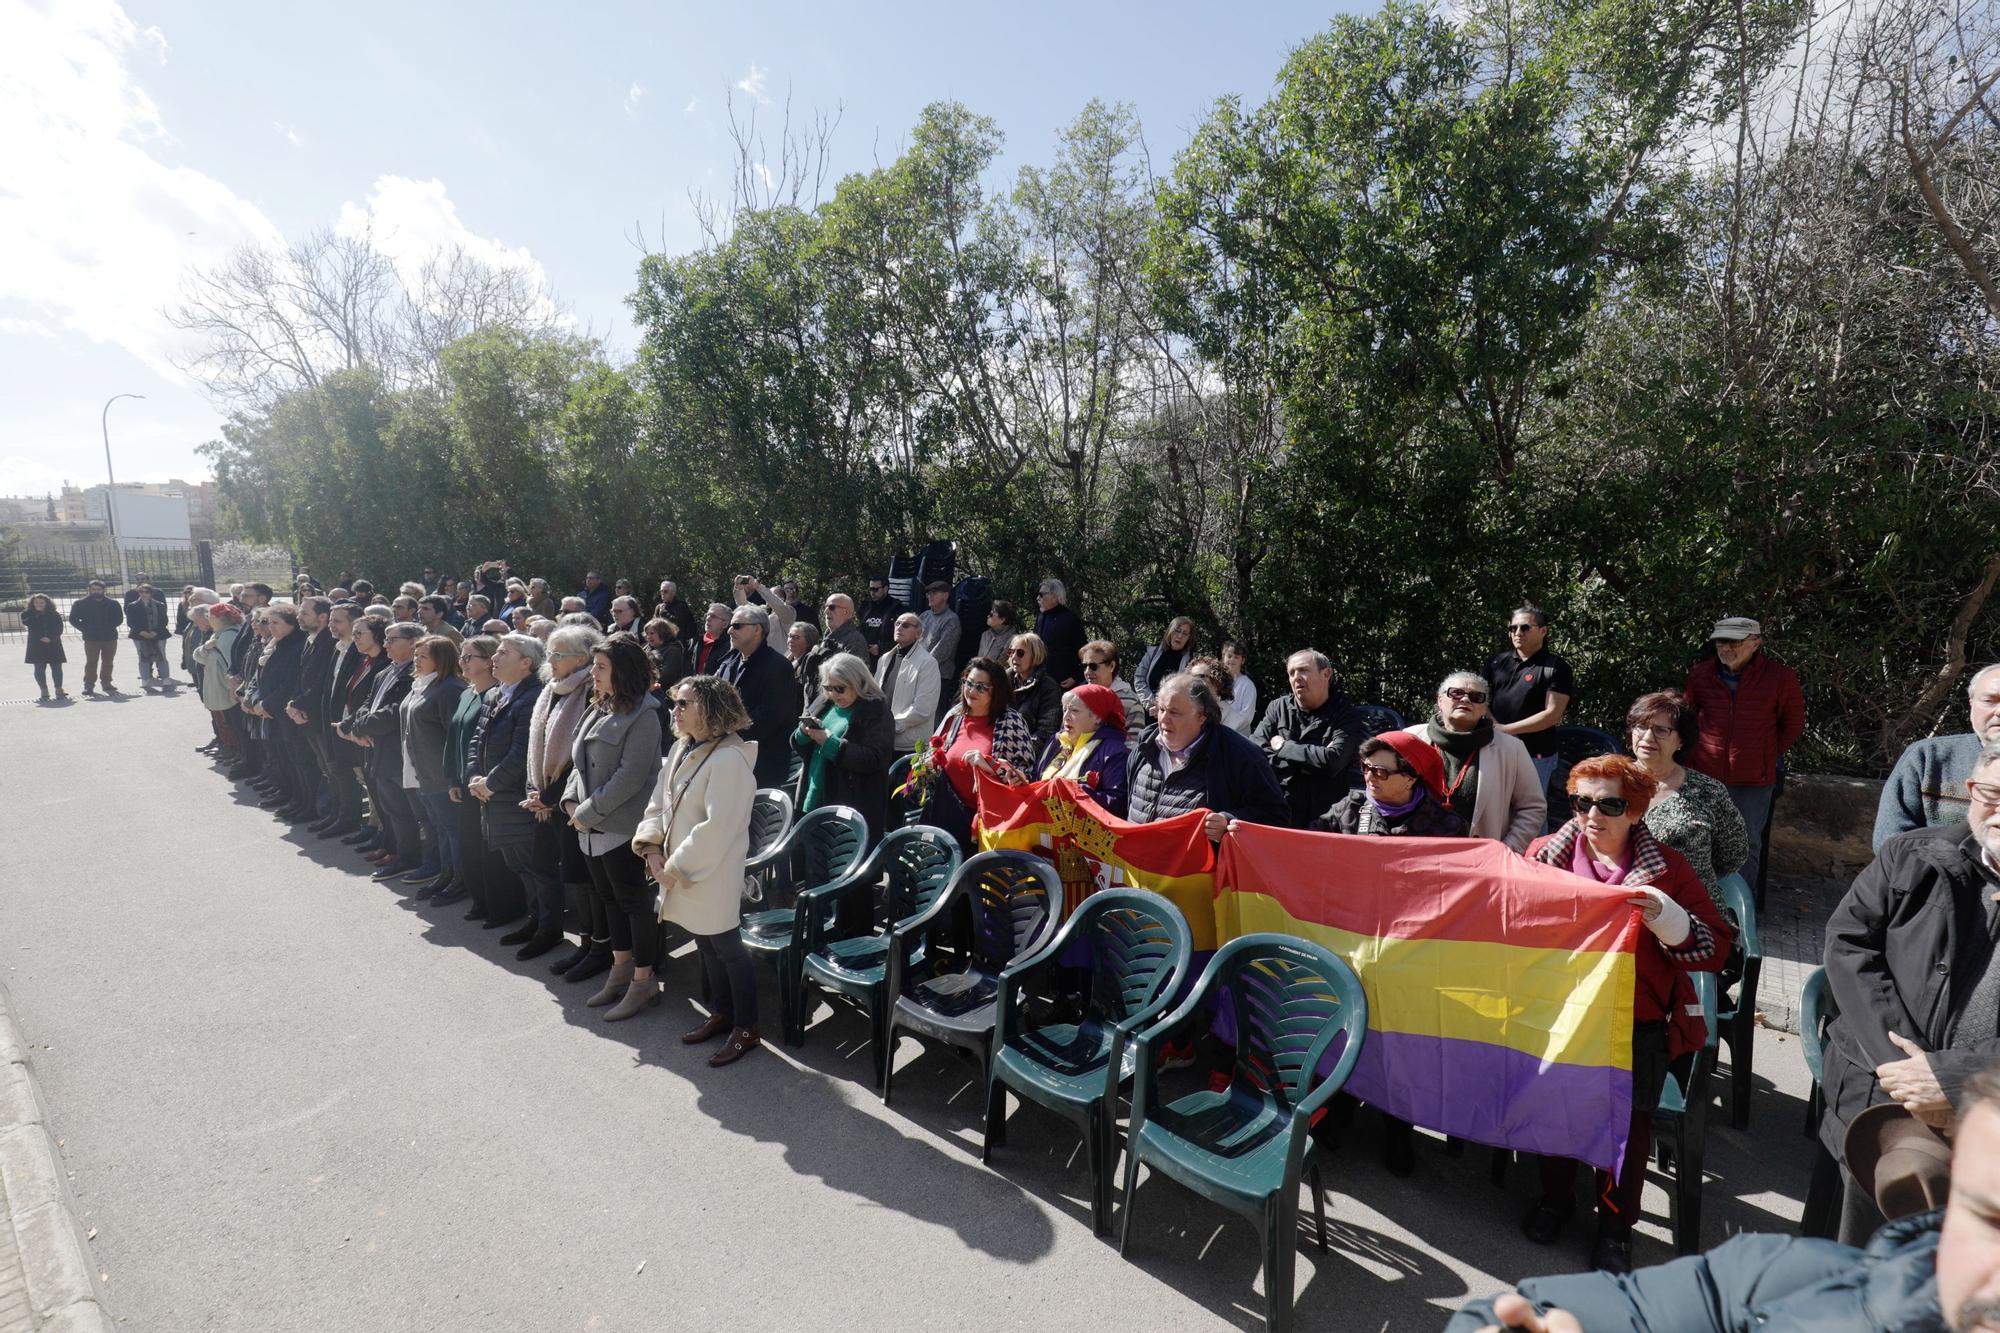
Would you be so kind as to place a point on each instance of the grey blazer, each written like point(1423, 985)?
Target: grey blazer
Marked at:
point(616, 758)
point(425, 721)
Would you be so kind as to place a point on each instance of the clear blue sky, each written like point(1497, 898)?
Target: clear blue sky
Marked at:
point(158, 135)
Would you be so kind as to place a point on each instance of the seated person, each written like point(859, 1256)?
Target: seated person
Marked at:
point(1090, 750)
point(1400, 777)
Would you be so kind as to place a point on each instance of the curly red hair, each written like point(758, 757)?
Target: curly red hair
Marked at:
point(1637, 785)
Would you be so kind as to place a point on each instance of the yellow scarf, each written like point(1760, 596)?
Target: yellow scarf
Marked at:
point(1070, 756)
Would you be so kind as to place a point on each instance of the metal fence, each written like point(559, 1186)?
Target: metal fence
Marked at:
point(62, 566)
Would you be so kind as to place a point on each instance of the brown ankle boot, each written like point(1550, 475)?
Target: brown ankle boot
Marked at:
point(615, 984)
point(741, 1042)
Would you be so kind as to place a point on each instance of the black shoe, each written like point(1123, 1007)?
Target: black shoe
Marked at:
point(452, 892)
point(274, 801)
point(1399, 1149)
point(1613, 1252)
point(89, 690)
point(109, 688)
point(298, 812)
point(520, 934)
point(322, 824)
point(205, 749)
point(431, 887)
point(569, 960)
point(358, 834)
point(596, 963)
point(1545, 1221)
point(337, 830)
point(391, 871)
point(496, 922)
point(426, 875)
point(539, 944)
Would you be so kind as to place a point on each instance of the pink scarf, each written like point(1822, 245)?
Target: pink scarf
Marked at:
point(1581, 862)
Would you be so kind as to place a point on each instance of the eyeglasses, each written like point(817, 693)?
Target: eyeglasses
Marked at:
point(683, 703)
point(836, 691)
point(1657, 733)
point(976, 687)
point(1379, 773)
point(735, 625)
point(1521, 629)
point(1609, 806)
point(1017, 652)
point(1092, 666)
point(1984, 792)
point(1466, 696)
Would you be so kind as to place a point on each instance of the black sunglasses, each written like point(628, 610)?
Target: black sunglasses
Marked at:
point(1609, 806)
point(1466, 696)
point(1520, 629)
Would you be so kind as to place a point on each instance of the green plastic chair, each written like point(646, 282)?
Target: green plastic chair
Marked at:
point(1737, 1019)
point(1817, 1011)
point(1139, 942)
point(1680, 1125)
point(1246, 1146)
point(1015, 901)
point(815, 854)
point(914, 865)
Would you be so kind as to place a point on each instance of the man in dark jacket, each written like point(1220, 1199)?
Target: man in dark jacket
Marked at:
point(1751, 711)
point(1061, 631)
point(1924, 1274)
point(596, 596)
point(770, 692)
point(878, 620)
point(1913, 968)
point(1194, 761)
point(1310, 736)
point(380, 727)
point(842, 635)
point(277, 683)
point(253, 596)
point(675, 611)
point(307, 709)
point(97, 618)
point(146, 626)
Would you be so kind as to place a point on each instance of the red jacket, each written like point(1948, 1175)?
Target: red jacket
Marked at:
point(1745, 733)
point(1661, 988)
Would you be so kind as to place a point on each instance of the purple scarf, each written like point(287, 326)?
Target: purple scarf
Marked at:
point(1417, 794)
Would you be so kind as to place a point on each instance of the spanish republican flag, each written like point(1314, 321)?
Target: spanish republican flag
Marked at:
point(1499, 989)
point(1094, 849)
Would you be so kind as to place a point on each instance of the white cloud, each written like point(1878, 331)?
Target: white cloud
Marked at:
point(632, 96)
point(96, 224)
point(753, 82)
point(764, 174)
point(287, 133)
point(413, 221)
point(156, 41)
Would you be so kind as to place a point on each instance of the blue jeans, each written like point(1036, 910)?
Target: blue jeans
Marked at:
point(42, 670)
point(441, 830)
point(1754, 804)
point(153, 658)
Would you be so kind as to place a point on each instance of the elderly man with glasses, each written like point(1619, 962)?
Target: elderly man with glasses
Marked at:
point(1927, 786)
point(770, 692)
point(1489, 779)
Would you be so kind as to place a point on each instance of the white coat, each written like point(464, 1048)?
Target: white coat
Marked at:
point(699, 816)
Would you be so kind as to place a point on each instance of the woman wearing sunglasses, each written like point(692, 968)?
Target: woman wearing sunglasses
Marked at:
point(1401, 775)
point(848, 741)
point(1607, 842)
point(1489, 779)
point(981, 734)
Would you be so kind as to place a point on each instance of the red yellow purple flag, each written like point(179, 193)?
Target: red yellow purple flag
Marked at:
point(1093, 849)
point(1499, 989)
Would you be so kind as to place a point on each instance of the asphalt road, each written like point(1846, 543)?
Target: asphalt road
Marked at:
point(291, 1099)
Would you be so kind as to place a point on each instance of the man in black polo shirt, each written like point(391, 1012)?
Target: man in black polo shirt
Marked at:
point(1532, 687)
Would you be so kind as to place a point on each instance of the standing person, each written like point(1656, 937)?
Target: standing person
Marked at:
point(190, 630)
point(842, 635)
point(1751, 711)
point(1003, 622)
point(1490, 780)
point(44, 627)
point(434, 614)
point(475, 702)
point(800, 640)
point(278, 679)
point(908, 675)
point(981, 734)
point(1098, 663)
point(940, 628)
point(596, 597)
point(1607, 843)
point(624, 616)
point(749, 590)
point(1691, 812)
point(1240, 709)
point(695, 837)
point(675, 611)
point(1311, 737)
point(146, 625)
point(1037, 697)
point(307, 709)
point(1531, 687)
point(1169, 657)
point(1061, 631)
point(1191, 761)
point(212, 656)
point(789, 590)
point(615, 758)
point(714, 641)
point(369, 662)
point(426, 722)
point(497, 778)
point(848, 741)
point(97, 618)
point(378, 728)
point(559, 712)
point(344, 664)
point(669, 654)
point(766, 688)
point(1927, 786)
point(878, 619)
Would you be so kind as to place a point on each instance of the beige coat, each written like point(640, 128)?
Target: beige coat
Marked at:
point(700, 816)
point(1511, 805)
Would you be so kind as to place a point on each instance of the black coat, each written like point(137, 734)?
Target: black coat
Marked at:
point(1318, 763)
point(1061, 630)
point(278, 679)
point(1224, 773)
point(1355, 813)
point(239, 652)
point(316, 678)
point(96, 618)
point(771, 696)
point(383, 723)
point(499, 753)
point(1039, 703)
point(350, 698)
point(1893, 948)
point(681, 616)
point(878, 626)
point(859, 772)
point(42, 625)
point(147, 616)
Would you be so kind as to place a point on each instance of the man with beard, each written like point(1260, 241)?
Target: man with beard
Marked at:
point(1928, 784)
point(1926, 1273)
point(1912, 967)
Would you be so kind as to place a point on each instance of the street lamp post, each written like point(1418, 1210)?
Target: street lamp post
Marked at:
point(111, 492)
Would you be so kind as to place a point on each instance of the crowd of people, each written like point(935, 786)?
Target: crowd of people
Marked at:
point(578, 766)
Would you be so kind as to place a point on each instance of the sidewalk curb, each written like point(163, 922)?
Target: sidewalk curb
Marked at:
point(63, 1296)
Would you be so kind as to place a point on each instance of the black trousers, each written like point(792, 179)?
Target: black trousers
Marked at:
point(623, 903)
point(732, 981)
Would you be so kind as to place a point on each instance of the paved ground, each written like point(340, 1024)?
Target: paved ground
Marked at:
point(289, 1099)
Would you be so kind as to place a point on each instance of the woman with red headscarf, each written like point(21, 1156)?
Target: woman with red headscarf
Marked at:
point(1090, 749)
point(1401, 775)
